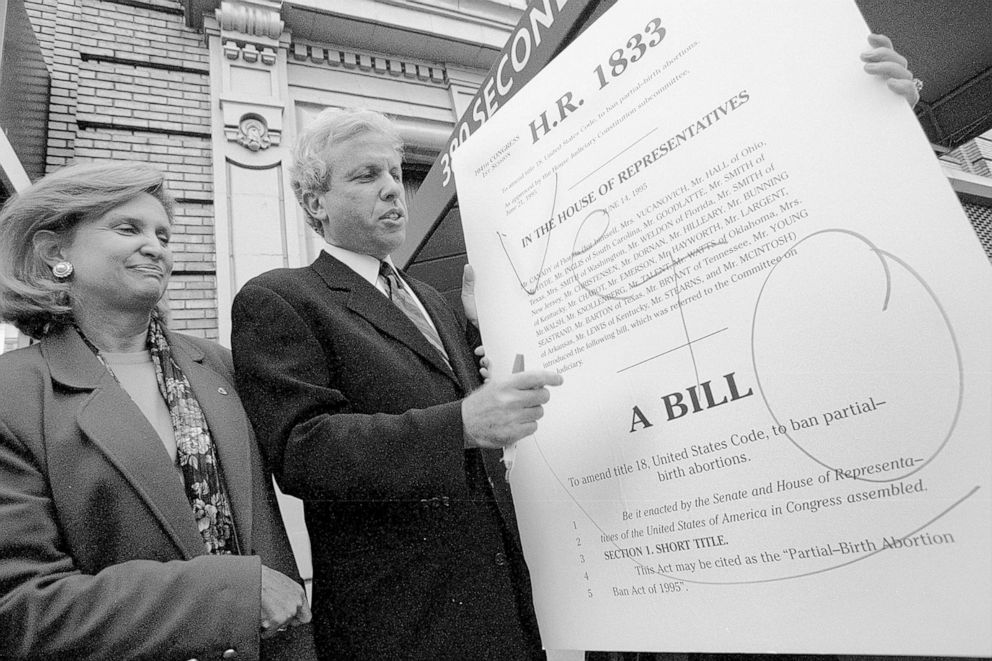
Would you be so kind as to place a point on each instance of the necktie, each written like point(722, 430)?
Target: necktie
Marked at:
point(404, 301)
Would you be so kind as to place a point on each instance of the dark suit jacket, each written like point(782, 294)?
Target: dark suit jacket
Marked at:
point(100, 557)
point(413, 540)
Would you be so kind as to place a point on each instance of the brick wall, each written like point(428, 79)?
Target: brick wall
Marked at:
point(130, 81)
point(42, 17)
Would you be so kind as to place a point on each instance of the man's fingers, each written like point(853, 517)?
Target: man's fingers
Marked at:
point(889, 70)
point(531, 397)
point(884, 61)
point(533, 379)
point(468, 295)
point(531, 414)
point(882, 50)
point(525, 429)
point(504, 411)
point(879, 41)
point(884, 55)
point(905, 88)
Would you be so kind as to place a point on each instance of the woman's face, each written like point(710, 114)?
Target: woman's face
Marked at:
point(121, 260)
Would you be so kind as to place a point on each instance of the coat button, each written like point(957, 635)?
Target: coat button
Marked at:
point(222, 391)
point(230, 654)
point(500, 559)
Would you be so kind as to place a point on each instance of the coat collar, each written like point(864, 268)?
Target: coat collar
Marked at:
point(368, 302)
point(112, 421)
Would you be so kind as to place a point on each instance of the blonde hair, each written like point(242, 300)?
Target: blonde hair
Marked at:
point(30, 296)
point(310, 172)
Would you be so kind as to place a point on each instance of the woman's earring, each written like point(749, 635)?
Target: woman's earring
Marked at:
point(62, 270)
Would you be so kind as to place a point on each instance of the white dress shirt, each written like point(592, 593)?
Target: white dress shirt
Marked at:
point(367, 267)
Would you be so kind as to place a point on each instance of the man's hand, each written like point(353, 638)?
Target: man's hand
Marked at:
point(505, 410)
point(468, 295)
point(883, 61)
point(284, 603)
point(485, 365)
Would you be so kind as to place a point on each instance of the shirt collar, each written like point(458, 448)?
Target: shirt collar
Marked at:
point(366, 266)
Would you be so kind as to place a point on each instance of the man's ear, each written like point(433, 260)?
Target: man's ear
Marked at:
point(314, 205)
point(48, 247)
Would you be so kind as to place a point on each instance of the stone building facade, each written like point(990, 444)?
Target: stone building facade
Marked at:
point(214, 92)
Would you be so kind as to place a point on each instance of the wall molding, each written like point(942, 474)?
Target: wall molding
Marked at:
point(373, 63)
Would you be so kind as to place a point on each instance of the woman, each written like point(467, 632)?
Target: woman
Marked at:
point(137, 520)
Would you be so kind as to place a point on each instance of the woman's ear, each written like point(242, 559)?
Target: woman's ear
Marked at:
point(48, 247)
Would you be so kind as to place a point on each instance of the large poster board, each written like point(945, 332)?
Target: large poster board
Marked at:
point(773, 320)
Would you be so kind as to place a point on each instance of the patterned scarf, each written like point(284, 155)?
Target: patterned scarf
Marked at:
point(196, 453)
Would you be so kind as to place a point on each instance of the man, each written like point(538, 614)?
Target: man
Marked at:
point(364, 392)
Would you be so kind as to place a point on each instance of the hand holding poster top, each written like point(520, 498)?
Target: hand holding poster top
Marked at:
point(773, 435)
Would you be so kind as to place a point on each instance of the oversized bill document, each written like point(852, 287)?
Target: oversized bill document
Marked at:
point(773, 319)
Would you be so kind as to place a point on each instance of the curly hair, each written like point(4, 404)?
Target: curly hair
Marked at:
point(30, 297)
point(310, 172)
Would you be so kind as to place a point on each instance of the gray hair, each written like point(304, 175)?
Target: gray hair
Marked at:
point(30, 297)
point(313, 157)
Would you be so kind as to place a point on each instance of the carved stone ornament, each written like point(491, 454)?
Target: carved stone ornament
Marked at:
point(249, 18)
point(253, 133)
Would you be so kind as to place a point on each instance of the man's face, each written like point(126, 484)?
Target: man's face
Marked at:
point(364, 210)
